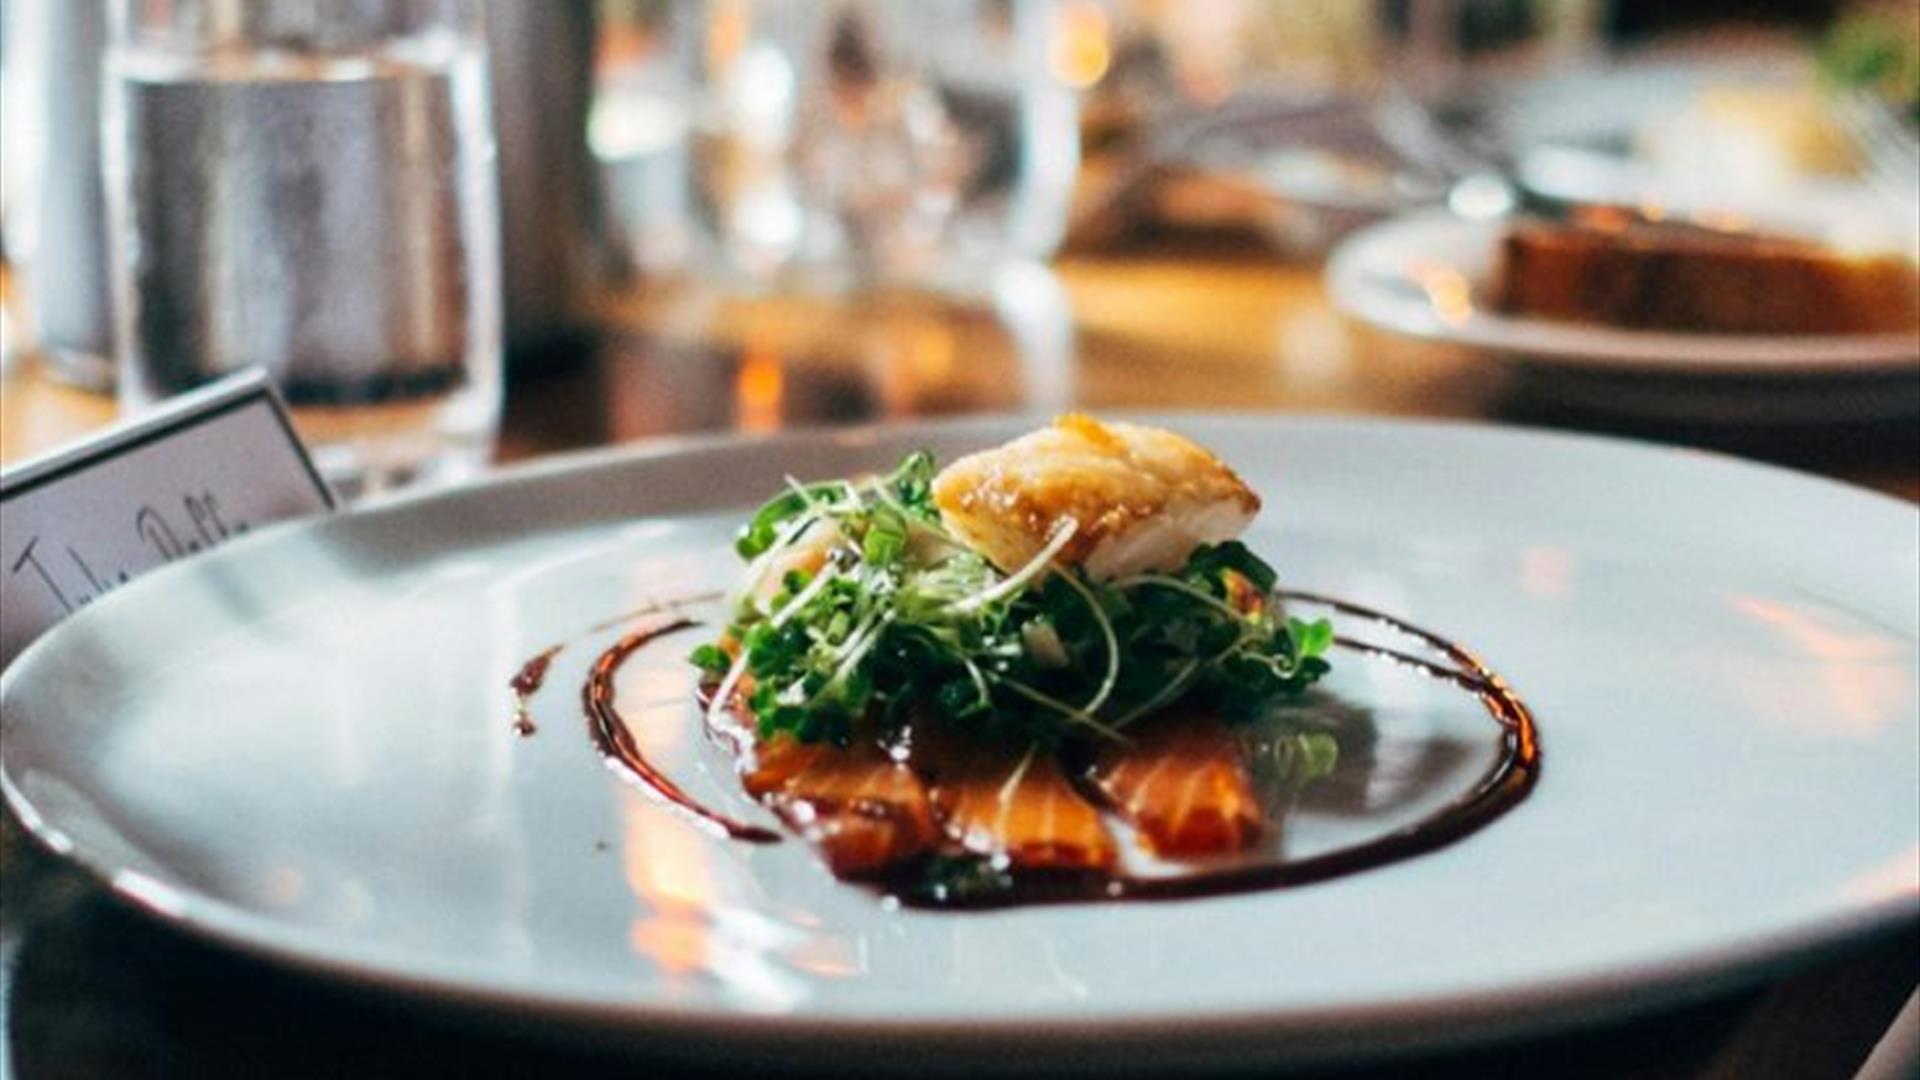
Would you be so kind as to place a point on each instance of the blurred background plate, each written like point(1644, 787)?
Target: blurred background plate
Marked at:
point(1743, 137)
point(1426, 276)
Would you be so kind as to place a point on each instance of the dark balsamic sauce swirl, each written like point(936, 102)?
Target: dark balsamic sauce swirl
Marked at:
point(922, 883)
point(616, 743)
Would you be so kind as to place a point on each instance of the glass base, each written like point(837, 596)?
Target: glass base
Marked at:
point(79, 368)
point(357, 477)
point(366, 451)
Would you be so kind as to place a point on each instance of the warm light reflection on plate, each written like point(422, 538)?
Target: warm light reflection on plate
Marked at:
point(1893, 879)
point(1448, 291)
point(1864, 673)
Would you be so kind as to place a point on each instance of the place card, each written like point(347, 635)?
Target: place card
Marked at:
point(203, 468)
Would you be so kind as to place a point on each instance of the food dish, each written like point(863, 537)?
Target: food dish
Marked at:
point(1426, 276)
point(1612, 268)
point(974, 688)
point(302, 745)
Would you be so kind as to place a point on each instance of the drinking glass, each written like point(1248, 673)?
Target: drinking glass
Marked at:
point(852, 143)
point(51, 206)
point(1456, 66)
point(309, 187)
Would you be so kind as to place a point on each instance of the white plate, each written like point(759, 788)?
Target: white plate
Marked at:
point(299, 745)
point(1425, 275)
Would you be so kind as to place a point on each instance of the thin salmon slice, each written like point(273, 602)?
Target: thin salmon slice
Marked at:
point(1181, 780)
point(996, 798)
point(860, 807)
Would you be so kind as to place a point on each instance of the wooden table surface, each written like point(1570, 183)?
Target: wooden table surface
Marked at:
point(91, 989)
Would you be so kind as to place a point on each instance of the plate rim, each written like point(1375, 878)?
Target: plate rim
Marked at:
point(1381, 1027)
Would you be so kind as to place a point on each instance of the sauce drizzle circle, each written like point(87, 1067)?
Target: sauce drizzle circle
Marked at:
point(1505, 783)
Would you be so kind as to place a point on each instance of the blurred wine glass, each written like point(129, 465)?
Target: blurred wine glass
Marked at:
point(859, 143)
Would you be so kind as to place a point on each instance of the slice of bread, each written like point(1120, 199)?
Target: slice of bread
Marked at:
point(1631, 272)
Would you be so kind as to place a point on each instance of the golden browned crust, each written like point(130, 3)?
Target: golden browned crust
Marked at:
point(1107, 479)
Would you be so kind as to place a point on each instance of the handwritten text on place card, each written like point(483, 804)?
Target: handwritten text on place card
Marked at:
point(202, 470)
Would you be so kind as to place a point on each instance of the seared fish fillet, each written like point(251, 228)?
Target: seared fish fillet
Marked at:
point(1181, 781)
point(1138, 498)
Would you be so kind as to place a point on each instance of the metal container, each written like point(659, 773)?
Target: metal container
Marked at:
point(542, 63)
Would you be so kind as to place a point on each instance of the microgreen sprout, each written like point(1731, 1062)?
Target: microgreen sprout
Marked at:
point(860, 607)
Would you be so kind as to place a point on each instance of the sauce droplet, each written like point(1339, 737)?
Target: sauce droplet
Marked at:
point(526, 683)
